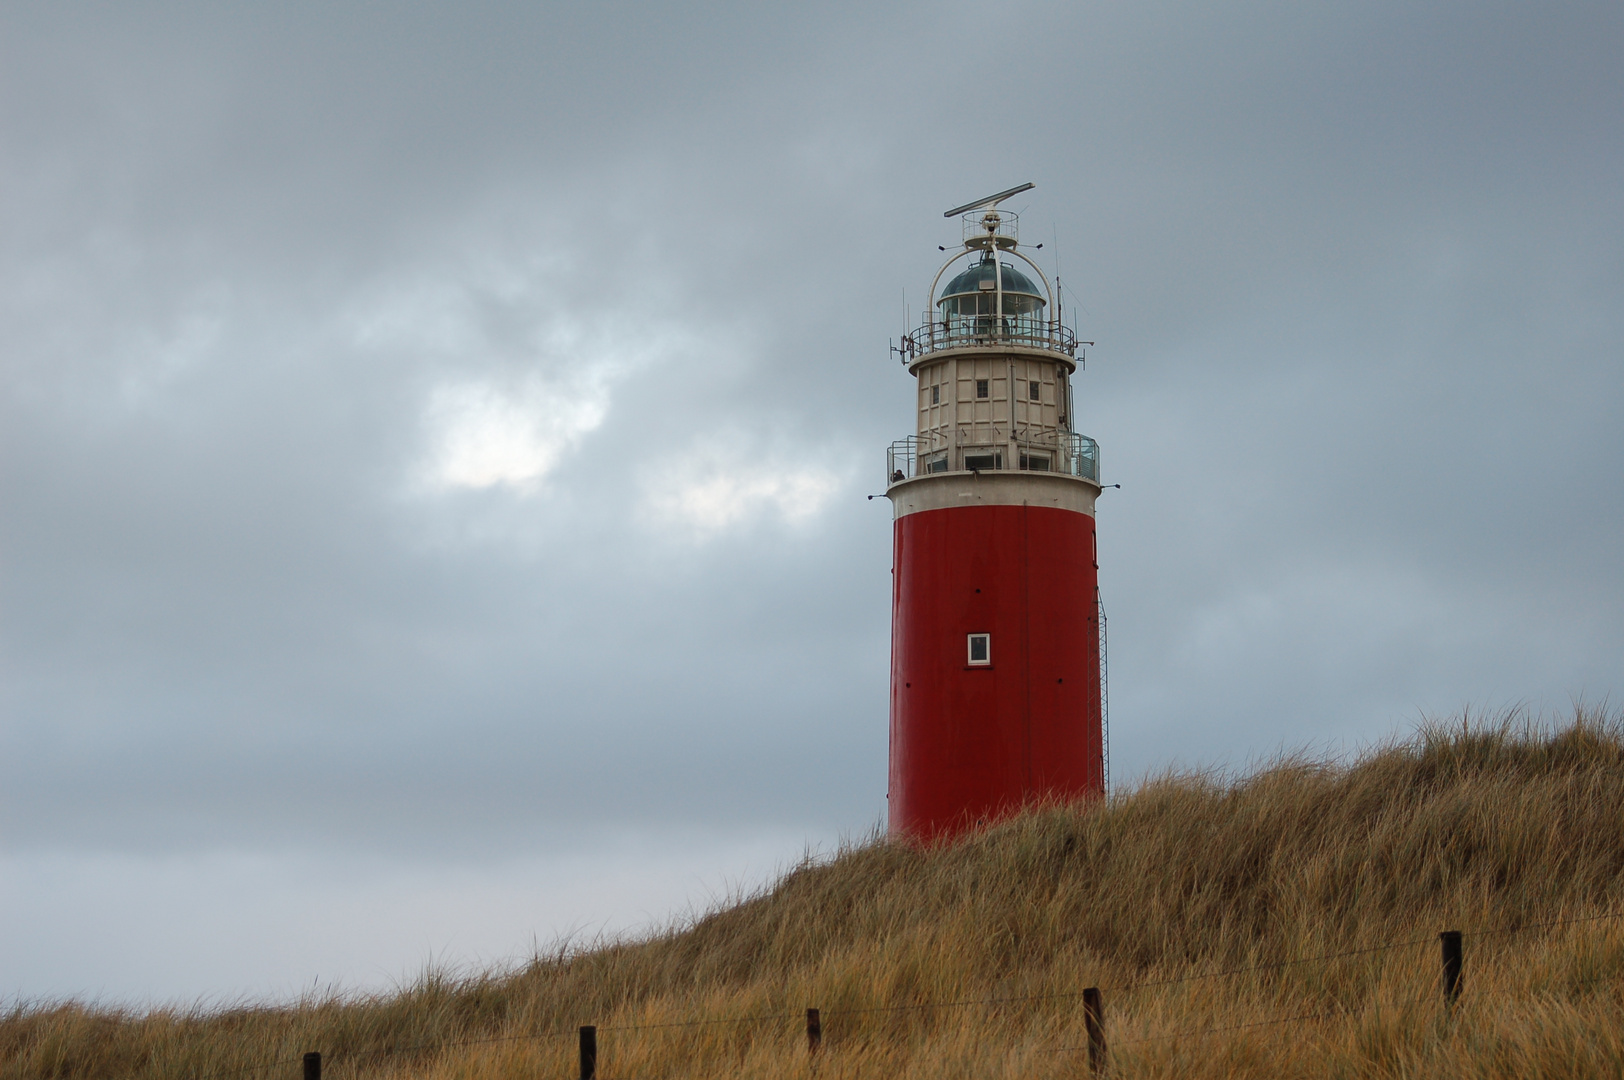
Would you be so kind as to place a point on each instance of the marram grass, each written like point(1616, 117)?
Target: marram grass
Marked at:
point(1279, 924)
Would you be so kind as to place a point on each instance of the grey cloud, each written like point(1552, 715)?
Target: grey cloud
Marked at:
point(1353, 272)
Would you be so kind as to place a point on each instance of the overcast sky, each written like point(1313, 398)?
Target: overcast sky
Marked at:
point(434, 439)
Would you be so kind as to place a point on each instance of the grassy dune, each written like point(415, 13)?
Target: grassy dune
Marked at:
point(1198, 902)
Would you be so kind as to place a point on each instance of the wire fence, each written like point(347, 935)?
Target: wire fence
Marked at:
point(1448, 989)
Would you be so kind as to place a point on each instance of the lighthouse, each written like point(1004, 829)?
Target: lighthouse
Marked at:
point(997, 670)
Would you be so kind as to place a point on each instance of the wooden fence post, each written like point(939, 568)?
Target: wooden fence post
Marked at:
point(1094, 1019)
point(312, 1066)
point(589, 1052)
point(814, 1031)
point(1450, 940)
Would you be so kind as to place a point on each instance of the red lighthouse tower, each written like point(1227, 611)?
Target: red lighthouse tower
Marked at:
point(996, 695)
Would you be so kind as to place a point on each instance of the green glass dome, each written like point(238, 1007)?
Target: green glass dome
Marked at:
point(968, 282)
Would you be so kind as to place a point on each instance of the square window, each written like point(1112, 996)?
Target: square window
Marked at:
point(981, 388)
point(936, 395)
point(980, 649)
point(1034, 391)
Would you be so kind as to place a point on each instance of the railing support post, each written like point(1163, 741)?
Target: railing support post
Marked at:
point(312, 1066)
point(589, 1051)
point(1094, 1020)
point(1450, 941)
point(814, 1031)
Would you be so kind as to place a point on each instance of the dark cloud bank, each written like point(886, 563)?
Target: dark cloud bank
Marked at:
point(433, 443)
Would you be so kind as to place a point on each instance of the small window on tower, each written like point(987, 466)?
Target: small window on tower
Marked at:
point(980, 649)
point(936, 395)
point(1034, 391)
point(981, 388)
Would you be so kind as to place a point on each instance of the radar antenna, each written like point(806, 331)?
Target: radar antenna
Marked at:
point(990, 201)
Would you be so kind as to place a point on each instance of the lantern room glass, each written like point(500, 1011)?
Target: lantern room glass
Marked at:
point(969, 304)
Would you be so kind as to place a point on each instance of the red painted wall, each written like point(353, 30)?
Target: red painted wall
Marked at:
point(969, 744)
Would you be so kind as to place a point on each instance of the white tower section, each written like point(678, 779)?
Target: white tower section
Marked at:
point(994, 364)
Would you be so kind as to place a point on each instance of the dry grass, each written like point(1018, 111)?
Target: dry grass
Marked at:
point(1496, 829)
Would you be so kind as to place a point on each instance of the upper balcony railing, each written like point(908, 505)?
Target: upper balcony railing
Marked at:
point(1064, 452)
point(984, 228)
point(1015, 331)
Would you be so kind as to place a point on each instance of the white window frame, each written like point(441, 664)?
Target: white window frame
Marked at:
point(970, 650)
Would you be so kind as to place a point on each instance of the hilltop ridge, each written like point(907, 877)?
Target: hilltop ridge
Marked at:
point(1279, 923)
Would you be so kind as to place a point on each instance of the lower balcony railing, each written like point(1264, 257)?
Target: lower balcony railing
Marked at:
point(1067, 453)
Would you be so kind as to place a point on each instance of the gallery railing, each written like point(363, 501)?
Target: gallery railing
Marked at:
point(1067, 453)
point(962, 331)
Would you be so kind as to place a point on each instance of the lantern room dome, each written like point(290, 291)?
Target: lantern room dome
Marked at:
point(978, 278)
